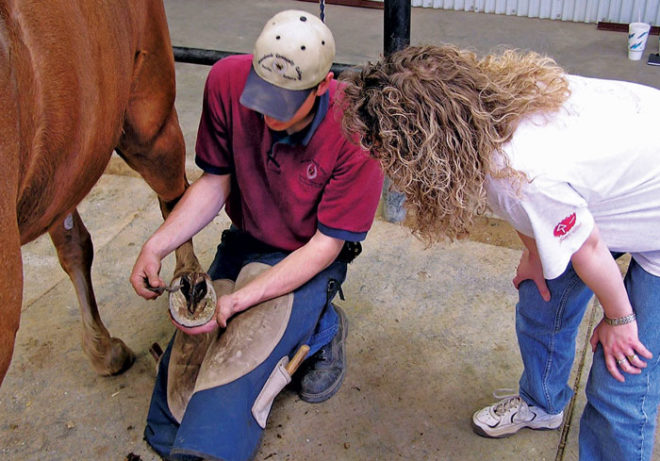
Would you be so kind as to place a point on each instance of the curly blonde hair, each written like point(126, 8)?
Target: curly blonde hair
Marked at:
point(435, 115)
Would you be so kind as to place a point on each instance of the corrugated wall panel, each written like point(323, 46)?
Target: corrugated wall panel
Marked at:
point(620, 11)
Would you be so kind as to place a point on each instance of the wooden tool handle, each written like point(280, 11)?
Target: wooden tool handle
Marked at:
point(297, 359)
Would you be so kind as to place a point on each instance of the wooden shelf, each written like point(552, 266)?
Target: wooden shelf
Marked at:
point(617, 27)
point(358, 3)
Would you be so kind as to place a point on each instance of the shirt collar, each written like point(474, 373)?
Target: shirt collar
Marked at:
point(304, 136)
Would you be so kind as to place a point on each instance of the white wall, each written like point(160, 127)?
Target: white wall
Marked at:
point(618, 11)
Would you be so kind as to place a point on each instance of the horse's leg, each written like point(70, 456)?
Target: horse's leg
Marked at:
point(161, 162)
point(152, 142)
point(11, 293)
point(75, 251)
point(11, 117)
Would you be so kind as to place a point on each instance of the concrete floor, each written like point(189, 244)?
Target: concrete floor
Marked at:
point(431, 330)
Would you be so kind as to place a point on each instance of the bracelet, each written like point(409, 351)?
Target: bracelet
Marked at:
point(621, 320)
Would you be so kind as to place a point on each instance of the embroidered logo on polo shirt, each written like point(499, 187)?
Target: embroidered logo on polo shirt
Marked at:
point(312, 174)
point(312, 171)
point(564, 226)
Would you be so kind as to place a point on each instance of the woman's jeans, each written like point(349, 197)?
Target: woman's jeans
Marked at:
point(619, 420)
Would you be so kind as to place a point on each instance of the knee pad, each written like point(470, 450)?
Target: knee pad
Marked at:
point(186, 357)
point(215, 359)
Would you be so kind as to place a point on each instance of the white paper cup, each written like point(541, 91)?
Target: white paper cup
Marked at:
point(638, 34)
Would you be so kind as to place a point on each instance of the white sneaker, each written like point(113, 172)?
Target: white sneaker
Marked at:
point(511, 414)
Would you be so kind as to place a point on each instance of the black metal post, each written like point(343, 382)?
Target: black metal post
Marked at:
point(396, 37)
point(396, 25)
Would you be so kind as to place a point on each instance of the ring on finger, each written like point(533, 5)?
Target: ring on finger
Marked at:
point(620, 361)
point(632, 357)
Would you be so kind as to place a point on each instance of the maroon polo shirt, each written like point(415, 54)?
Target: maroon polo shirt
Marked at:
point(283, 187)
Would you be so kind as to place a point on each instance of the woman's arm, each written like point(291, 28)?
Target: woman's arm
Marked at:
point(594, 264)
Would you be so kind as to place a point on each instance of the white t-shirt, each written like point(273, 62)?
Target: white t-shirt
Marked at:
point(596, 160)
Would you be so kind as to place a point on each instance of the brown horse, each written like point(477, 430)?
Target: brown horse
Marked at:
point(79, 79)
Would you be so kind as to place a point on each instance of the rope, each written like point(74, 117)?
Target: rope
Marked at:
point(322, 6)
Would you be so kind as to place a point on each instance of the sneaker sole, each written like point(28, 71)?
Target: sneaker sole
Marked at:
point(332, 390)
point(480, 431)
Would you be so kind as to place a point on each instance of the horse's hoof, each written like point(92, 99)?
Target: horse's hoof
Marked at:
point(194, 303)
point(125, 364)
point(117, 360)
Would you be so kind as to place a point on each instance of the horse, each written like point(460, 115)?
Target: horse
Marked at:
point(79, 80)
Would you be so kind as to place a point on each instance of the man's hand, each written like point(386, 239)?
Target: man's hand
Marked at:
point(530, 268)
point(209, 326)
point(227, 306)
point(145, 274)
point(620, 347)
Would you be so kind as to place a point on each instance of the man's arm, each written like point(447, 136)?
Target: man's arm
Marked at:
point(292, 272)
point(199, 205)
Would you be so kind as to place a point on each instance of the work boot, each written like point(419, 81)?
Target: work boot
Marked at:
point(326, 369)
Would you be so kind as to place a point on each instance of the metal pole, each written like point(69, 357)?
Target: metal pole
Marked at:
point(396, 25)
point(396, 37)
point(206, 57)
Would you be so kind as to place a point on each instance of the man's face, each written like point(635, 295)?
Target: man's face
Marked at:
point(299, 119)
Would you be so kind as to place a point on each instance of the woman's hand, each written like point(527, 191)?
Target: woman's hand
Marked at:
point(594, 264)
point(620, 347)
point(530, 268)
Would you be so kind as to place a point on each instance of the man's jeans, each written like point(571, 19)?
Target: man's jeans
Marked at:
point(619, 419)
point(218, 423)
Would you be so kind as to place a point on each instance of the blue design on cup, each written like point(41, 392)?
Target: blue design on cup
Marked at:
point(637, 44)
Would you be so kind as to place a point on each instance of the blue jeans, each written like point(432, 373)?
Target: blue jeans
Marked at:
point(217, 423)
point(619, 420)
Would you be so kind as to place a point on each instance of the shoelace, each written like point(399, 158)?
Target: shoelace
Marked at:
point(324, 354)
point(509, 401)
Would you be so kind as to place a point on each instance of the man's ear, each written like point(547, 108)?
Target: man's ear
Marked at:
point(324, 85)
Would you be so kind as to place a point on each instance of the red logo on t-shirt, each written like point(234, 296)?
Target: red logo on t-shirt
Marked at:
point(564, 226)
